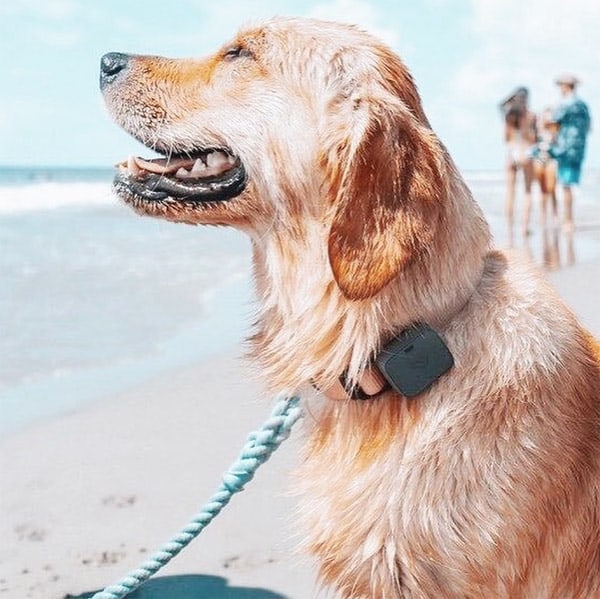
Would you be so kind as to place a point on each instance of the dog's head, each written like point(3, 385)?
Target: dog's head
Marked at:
point(293, 121)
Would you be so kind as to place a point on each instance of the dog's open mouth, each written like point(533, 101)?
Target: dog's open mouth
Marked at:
point(210, 175)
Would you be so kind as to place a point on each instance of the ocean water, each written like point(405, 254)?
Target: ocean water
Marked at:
point(94, 299)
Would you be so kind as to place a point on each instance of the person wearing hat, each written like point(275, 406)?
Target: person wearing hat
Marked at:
point(573, 119)
point(519, 136)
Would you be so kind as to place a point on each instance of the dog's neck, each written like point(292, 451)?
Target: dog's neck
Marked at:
point(308, 331)
point(381, 375)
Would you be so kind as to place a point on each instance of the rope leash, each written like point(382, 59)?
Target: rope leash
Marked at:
point(258, 449)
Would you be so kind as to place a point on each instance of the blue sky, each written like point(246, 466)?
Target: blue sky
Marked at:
point(465, 55)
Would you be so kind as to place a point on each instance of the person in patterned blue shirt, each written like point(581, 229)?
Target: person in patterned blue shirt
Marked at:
point(573, 119)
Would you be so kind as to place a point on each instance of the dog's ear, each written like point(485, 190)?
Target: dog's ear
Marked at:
point(387, 199)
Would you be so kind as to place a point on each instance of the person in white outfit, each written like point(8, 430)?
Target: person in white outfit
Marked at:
point(520, 135)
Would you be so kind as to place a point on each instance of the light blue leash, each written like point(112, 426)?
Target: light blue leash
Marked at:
point(261, 444)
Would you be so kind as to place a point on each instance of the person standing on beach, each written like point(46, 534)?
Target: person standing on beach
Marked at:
point(573, 119)
point(519, 135)
point(544, 167)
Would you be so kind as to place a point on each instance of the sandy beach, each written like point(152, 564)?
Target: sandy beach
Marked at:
point(86, 496)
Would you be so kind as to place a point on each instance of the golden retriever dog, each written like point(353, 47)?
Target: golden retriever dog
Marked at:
point(309, 136)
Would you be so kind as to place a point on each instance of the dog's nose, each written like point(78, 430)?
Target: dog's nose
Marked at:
point(111, 65)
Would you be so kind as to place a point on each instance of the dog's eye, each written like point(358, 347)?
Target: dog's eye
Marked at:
point(236, 52)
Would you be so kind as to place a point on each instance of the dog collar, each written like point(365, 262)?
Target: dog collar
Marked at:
point(410, 363)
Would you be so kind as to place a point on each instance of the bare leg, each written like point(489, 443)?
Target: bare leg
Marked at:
point(539, 176)
point(526, 214)
point(511, 179)
point(544, 210)
point(547, 180)
point(553, 207)
point(550, 177)
point(528, 175)
point(568, 199)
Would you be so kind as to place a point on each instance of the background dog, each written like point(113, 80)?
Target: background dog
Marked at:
point(310, 137)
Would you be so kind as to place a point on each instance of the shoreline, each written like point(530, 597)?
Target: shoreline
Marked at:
point(29, 404)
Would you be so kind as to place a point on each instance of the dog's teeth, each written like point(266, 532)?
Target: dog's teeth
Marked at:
point(198, 167)
point(208, 165)
point(182, 173)
point(132, 166)
point(216, 159)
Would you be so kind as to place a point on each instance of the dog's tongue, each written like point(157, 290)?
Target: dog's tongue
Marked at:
point(209, 165)
point(160, 166)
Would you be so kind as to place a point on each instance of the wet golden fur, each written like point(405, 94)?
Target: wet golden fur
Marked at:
point(486, 485)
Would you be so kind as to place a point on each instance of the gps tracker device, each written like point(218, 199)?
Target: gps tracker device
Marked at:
point(414, 360)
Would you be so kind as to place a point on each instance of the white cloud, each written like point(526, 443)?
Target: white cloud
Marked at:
point(55, 10)
point(363, 13)
point(220, 20)
point(61, 37)
point(527, 43)
point(54, 23)
point(357, 12)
